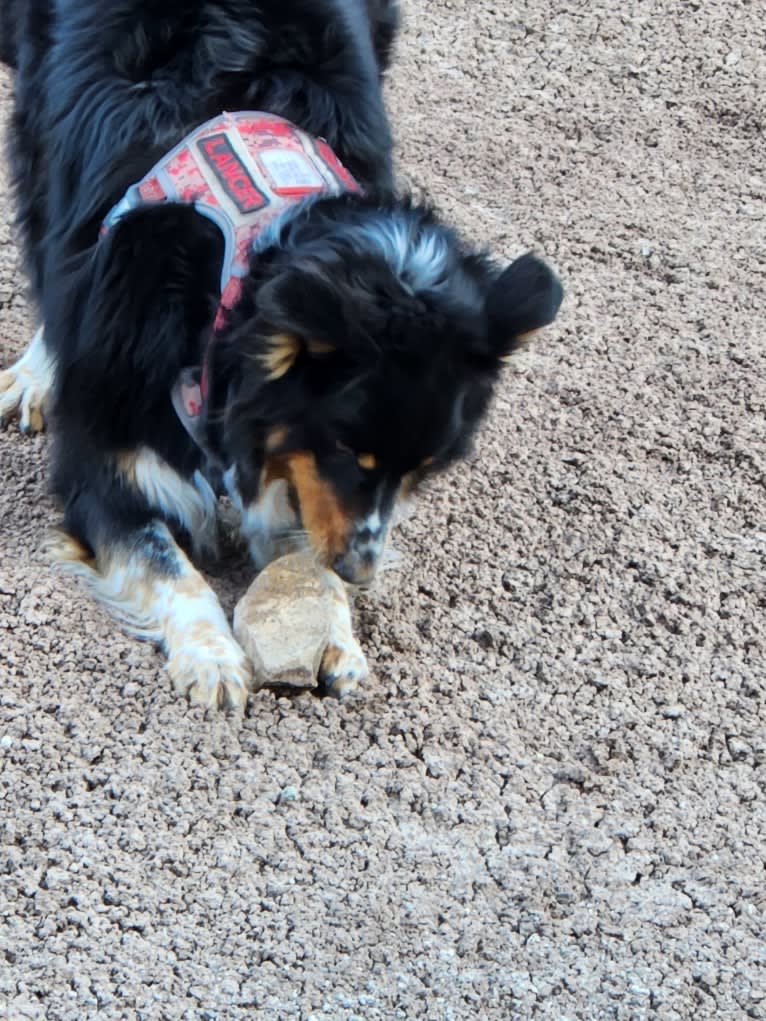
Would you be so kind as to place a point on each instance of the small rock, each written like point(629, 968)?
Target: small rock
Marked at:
point(287, 794)
point(738, 749)
point(673, 712)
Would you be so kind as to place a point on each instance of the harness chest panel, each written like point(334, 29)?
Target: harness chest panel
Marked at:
point(240, 170)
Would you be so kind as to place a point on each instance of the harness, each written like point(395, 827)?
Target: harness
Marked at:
point(241, 171)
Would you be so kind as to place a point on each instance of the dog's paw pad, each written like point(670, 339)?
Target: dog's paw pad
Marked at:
point(343, 668)
point(212, 680)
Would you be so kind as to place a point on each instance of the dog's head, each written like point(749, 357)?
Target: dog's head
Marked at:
point(367, 344)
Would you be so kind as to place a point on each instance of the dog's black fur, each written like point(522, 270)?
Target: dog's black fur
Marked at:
point(418, 323)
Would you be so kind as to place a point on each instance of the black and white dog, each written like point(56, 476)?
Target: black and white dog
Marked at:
point(235, 299)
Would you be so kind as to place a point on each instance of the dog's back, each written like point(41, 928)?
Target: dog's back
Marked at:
point(100, 112)
point(383, 16)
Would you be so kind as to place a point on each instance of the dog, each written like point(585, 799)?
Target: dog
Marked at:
point(236, 301)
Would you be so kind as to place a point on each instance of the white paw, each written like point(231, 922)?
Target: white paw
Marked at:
point(216, 676)
point(343, 667)
point(24, 388)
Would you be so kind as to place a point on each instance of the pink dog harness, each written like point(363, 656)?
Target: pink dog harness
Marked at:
point(240, 170)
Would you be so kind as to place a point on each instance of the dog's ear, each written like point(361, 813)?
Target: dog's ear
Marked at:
point(524, 298)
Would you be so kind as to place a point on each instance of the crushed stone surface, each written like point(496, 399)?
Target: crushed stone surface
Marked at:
point(548, 802)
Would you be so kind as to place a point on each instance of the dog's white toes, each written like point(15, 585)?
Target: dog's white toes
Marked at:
point(20, 394)
point(343, 668)
point(212, 679)
point(24, 388)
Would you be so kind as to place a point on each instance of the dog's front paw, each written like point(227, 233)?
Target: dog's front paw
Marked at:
point(214, 676)
point(343, 667)
point(24, 388)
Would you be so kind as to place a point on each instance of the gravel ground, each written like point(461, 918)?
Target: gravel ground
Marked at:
point(549, 800)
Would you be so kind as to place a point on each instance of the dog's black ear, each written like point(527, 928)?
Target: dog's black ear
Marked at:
point(524, 298)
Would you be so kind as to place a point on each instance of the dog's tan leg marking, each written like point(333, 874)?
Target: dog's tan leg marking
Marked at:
point(25, 387)
point(157, 594)
point(343, 666)
point(189, 502)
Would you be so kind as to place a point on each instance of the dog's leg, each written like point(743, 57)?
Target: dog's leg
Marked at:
point(343, 665)
point(153, 589)
point(26, 385)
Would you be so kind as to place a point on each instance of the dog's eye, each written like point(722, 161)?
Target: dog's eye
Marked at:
point(367, 462)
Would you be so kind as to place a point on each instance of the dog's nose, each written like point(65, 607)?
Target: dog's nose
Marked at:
point(356, 570)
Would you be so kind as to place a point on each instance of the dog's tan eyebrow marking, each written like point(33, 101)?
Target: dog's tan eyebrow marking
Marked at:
point(367, 461)
point(282, 349)
point(276, 437)
point(427, 462)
